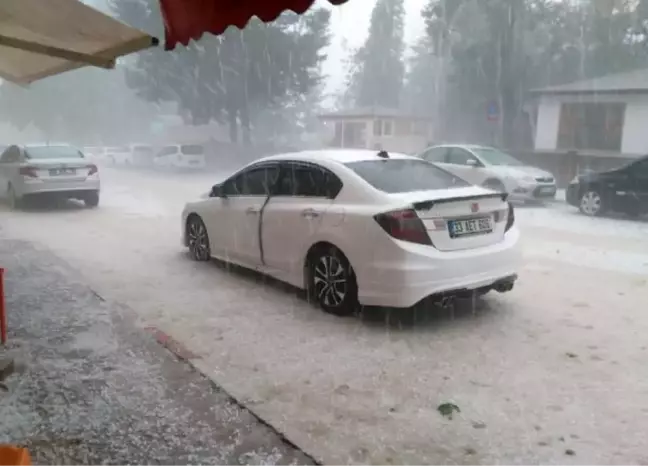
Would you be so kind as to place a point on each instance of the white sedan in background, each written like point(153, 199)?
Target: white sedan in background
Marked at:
point(358, 227)
point(495, 170)
point(48, 170)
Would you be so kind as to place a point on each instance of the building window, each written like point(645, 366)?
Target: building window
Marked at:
point(383, 128)
point(377, 127)
point(337, 139)
point(388, 128)
point(591, 126)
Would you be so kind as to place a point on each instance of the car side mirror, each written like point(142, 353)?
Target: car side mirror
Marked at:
point(471, 163)
point(216, 191)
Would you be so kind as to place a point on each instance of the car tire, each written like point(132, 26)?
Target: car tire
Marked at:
point(332, 282)
point(91, 200)
point(198, 239)
point(12, 199)
point(494, 185)
point(591, 203)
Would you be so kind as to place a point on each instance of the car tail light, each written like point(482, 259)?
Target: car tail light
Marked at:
point(93, 169)
point(511, 217)
point(404, 225)
point(29, 171)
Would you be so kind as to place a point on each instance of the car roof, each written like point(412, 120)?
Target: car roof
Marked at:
point(334, 155)
point(465, 146)
point(47, 144)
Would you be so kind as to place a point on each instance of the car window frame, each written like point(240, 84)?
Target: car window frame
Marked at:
point(478, 162)
point(439, 148)
point(287, 167)
point(246, 171)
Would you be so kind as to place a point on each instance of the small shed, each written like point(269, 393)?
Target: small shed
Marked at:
point(376, 128)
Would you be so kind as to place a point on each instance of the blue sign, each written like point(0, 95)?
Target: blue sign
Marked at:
point(493, 111)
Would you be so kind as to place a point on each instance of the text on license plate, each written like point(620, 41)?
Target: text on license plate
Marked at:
point(472, 226)
point(62, 171)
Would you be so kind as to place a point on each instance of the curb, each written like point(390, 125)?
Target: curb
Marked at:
point(185, 355)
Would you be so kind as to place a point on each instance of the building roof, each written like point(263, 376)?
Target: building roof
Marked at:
point(371, 112)
point(620, 83)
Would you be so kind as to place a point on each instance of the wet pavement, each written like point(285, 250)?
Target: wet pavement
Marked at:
point(90, 388)
point(553, 372)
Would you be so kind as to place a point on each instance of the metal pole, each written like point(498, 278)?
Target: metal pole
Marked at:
point(3, 316)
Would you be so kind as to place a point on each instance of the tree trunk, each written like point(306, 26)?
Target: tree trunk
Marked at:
point(245, 124)
point(233, 125)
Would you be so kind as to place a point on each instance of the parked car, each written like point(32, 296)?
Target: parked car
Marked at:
point(52, 170)
point(142, 155)
point(494, 169)
point(623, 189)
point(96, 153)
point(187, 156)
point(121, 155)
point(351, 226)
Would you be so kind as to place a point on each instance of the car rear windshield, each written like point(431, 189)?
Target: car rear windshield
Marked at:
point(53, 152)
point(405, 175)
point(192, 149)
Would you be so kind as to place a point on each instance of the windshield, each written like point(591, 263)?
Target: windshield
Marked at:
point(193, 149)
point(496, 157)
point(405, 175)
point(53, 152)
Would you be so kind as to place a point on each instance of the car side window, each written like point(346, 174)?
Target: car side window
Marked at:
point(305, 180)
point(437, 154)
point(459, 156)
point(252, 182)
point(167, 151)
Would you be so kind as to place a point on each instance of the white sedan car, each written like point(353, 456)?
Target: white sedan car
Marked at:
point(56, 170)
point(494, 169)
point(358, 227)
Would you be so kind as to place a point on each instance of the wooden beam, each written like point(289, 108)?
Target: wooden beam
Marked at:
point(56, 52)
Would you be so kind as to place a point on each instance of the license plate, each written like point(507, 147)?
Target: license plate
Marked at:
point(472, 226)
point(62, 171)
point(548, 190)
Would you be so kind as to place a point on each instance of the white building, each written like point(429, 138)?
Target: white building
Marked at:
point(604, 117)
point(376, 128)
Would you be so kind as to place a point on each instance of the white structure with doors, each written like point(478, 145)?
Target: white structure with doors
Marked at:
point(604, 117)
point(376, 128)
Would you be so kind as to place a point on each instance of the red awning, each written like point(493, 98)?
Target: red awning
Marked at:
point(189, 19)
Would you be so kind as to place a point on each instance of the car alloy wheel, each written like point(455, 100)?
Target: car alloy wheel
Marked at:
point(333, 283)
point(198, 240)
point(591, 203)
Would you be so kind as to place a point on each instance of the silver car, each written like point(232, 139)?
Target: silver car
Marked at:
point(52, 170)
point(494, 169)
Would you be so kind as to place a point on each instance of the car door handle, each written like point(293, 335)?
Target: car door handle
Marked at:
point(310, 213)
point(252, 211)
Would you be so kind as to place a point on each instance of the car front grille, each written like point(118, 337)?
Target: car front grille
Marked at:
point(545, 179)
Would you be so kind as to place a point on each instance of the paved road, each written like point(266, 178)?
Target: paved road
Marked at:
point(553, 372)
point(97, 390)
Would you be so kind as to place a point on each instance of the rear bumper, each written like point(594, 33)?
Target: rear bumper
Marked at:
point(534, 193)
point(425, 272)
point(37, 186)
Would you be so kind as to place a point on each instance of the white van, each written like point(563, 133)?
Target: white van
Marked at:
point(118, 155)
point(190, 156)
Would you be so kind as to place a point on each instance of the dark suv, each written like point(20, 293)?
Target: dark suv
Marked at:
point(623, 189)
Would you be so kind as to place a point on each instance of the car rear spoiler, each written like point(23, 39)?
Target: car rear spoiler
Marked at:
point(427, 205)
